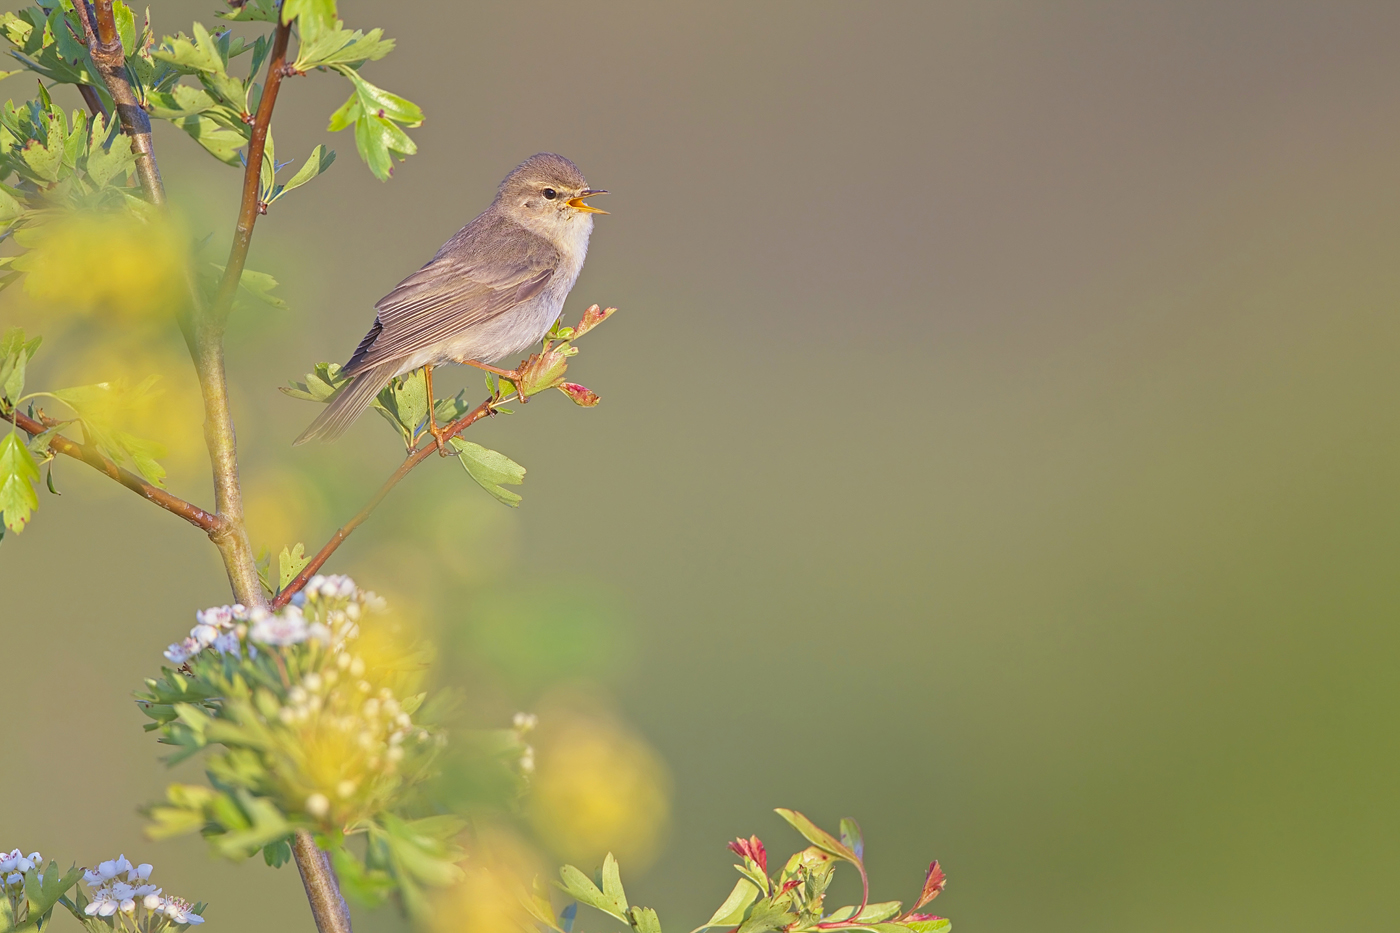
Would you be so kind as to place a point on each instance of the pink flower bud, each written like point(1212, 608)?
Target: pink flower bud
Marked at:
point(581, 395)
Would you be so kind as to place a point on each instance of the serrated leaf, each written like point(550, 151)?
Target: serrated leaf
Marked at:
point(261, 11)
point(644, 920)
point(817, 836)
point(276, 854)
point(404, 404)
point(221, 142)
point(332, 44)
point(19, 474)
point(490, 469)
point(316, 163)
point(768, 916)
point(612, 881)
point(289, 564)
point(376, 115)
point(259, 285)
point(731, 912)
point(109, 153)
point(320, 383)
point(582, 889)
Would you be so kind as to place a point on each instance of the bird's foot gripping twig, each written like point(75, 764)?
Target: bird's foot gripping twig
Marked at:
point(439, 435)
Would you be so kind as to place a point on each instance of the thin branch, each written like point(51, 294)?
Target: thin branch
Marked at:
point(413, 459)
point(209, 524)
point(219, 435)
point(105, 46)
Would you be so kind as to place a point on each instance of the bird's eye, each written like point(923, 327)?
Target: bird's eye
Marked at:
point(550, 194)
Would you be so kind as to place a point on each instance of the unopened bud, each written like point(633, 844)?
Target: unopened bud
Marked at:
point(591, 319)
point(581, 395)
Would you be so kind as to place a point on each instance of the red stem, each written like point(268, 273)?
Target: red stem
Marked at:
point(413, 459)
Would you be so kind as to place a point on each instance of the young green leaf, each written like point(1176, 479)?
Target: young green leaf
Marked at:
point(316, 163)
point(19, 474)
point(99, 407)
point(109, 153)
point(582, 889)
point(873, 913)
point(333, 45)
point(612, 881)
point(644, 920)
point(768, 916)
point(931, 925)
point(320, 383)
point(490, 469)
point(735, 906)
point(818, 836)
point(313, 14)
point(289, 564)
point(851, 837)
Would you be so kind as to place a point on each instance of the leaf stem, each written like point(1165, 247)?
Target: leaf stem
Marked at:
point(206, 522)
point(413, 459)
point(105, 46)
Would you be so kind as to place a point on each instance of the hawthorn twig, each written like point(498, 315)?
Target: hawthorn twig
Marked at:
point(416, 457)
point(105, 46)
point(206, 522)
point(219, 435)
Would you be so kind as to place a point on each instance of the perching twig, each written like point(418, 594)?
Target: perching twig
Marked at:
point(219, 436)
point(209, 524)
point(413, 459)
point(105, 46)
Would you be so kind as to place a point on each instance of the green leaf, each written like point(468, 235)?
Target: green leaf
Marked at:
point(404, 404)
point(490, 469)
point(582, 889)
point(731, 912)
point(320, 383)
point(276, 854)
point(289, 564)
point(817, 836)
point(222, 143)
point(851, 837)
point(19, 474)
point(260, 11)
point(109, 153)
point(99, 406)
point(314, 14)
point(332, 44)
point(612, 881)
point(14, 357)
point(316, 163)
point(126, 26)
point(644, 920)
point(44, 895)
point(768, 916)
point(259, 285)
point(873, 913)
point(936, 925)
point(376, 115)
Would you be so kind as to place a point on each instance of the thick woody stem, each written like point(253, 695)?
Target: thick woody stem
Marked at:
point(105, 46)
point(209, 524)
point(413, 459)
point(322, 890)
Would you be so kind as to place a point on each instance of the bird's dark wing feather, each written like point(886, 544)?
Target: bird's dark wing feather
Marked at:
point(480, 273)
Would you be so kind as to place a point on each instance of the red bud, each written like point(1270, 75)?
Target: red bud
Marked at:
point(751, 849)
point(582, 395)
point(591, 319)
point(934, 882)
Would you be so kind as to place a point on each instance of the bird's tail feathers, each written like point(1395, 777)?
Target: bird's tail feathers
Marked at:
point(354, 397)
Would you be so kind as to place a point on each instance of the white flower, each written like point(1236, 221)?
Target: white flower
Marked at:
point(287, 628)
point(216, 616)
point(15, 878)
point(178, 910)
point(182, 651)
point(228, 643)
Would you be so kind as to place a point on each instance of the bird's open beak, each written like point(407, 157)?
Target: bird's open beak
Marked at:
point(578, 205)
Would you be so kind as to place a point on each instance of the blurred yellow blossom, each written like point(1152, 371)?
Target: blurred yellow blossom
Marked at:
point(499, 872)
point(598, 788)
point(118, 264)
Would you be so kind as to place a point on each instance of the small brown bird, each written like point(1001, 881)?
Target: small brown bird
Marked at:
point(491, 291)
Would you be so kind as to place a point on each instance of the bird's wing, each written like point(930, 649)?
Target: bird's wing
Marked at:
point(483, 271)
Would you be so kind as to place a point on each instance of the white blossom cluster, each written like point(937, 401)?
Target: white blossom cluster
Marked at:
point(231, 629)
point(118, 887)
point(14, 865)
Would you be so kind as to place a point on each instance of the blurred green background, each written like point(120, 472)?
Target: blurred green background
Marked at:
point(999, 445)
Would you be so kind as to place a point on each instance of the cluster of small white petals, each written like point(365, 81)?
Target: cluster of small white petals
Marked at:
point(524, 724)
point(234, 629)
point(121, 887)
point(14, 865)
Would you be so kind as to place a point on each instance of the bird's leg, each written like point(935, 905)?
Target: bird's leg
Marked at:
point(513, 375)
point(433, 429)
